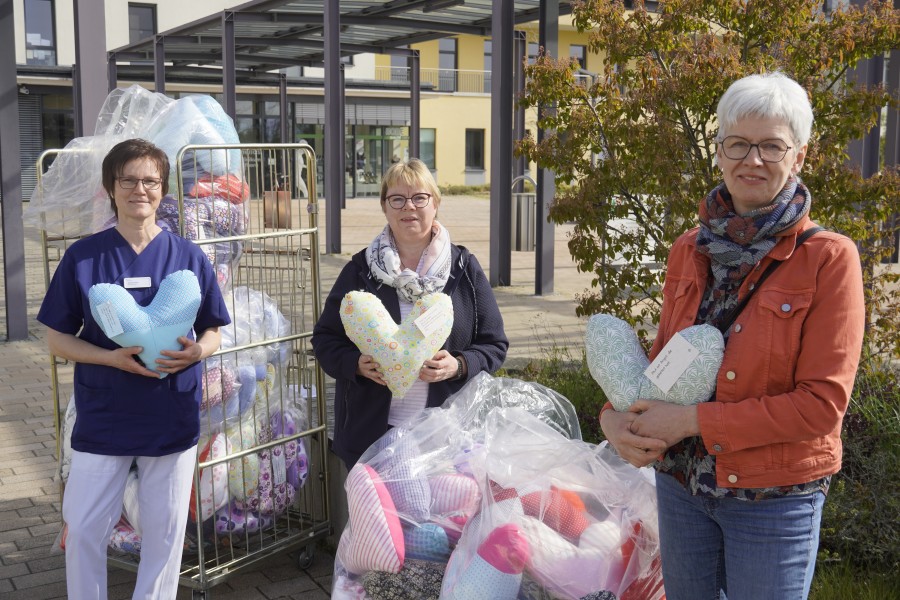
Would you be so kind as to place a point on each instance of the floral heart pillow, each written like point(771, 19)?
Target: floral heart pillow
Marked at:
point(617, 362)
point(156, 327)
point(401, 350)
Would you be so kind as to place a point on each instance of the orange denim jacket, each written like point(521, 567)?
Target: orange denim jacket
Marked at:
point(790, 362)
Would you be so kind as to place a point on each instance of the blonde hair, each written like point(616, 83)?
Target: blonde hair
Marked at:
point(413, 173)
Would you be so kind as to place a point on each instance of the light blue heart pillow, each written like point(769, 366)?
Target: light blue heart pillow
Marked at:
point(156, 327)
point(617, 362)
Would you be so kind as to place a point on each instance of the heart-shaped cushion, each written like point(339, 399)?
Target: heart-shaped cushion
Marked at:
point(156, 327)
point(564, 569)
point(213, 490)
point(243, 473)
point(125, 539)
point(373, 540)
point(401, 350)
point(617, 362)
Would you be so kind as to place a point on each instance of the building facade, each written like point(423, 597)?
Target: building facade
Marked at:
point(455, 130)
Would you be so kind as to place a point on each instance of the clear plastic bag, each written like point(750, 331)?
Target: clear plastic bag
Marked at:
point(486, 497)
point(255, 317)
point(71, 200)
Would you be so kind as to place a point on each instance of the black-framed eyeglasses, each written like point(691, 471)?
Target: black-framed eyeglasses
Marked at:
point(398, 201)
point(737, 148)
point(129, 183)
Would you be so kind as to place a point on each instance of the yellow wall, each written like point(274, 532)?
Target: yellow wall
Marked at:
point(451, 116)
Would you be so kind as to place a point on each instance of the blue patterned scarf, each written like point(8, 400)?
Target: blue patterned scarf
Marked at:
point(736, 243)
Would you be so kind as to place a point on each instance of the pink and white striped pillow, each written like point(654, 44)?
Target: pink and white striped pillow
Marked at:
point(374, 539)
point(452, 493)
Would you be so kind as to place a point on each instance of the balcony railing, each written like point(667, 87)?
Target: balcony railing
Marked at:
point(451, 80)
point(442, 80)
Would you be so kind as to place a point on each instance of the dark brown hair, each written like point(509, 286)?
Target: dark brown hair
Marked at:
point(123, 153)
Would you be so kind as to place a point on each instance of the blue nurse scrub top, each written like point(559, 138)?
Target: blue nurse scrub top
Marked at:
point(120, 413)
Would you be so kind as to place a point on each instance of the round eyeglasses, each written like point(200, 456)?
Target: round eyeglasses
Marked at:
point(129, 183)
point(737, 148)
point(419, 200)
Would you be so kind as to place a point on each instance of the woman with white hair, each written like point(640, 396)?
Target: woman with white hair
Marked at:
point(742, 478)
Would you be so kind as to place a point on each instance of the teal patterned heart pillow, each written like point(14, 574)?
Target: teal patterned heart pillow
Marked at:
point(617, 362)
point(401, 350)
point(156, 327)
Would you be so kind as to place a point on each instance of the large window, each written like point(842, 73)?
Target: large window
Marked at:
point(57, 120)
point(475, 149)
point(487, 66)
point(579, 53)
point(399, 67)
point(141, 22)
point(427, 149)
point(447, 64)
point(40, 33)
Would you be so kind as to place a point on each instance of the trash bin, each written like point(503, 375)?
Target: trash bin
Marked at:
point(524, 209)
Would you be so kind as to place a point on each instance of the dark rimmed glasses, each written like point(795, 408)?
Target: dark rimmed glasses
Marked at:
point(737, 148)
point(398, 201)
point(129, 183)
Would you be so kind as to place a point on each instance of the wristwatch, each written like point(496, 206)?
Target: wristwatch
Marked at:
point(459, 369)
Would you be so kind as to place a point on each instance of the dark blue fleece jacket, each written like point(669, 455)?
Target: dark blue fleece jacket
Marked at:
point(361, 406)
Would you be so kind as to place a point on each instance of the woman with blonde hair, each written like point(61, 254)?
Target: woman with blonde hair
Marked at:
point(410, 258)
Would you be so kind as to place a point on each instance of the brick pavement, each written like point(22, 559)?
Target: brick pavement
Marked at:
point(30, 501)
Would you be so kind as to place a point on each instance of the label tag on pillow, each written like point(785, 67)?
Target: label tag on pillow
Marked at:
point(432, 319)
point(132, 283)
point(109, 320)
point(279, 468)
point(671, 362)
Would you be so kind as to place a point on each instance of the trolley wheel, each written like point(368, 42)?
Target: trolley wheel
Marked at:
point(306, 556)
point(199, 595)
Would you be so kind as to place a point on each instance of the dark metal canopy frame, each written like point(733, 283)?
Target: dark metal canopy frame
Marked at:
point(250, 43)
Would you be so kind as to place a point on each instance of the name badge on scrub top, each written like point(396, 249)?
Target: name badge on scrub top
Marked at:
point(432, 319)
point(671, 362)
point(133, 283)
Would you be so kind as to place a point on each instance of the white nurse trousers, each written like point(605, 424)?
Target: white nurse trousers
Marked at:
point(92, 505)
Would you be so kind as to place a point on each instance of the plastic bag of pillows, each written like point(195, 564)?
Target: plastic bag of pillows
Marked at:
point(494, 495)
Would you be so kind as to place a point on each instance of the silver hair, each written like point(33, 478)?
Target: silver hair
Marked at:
point(770, 95)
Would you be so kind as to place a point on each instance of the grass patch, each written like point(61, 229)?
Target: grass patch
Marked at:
point(840, 581)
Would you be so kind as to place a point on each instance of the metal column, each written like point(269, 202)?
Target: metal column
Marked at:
point(520, 47)
point(548, 38)
point(11, 182)
point(229, 75)
point(334, 127)
point(502, 24)
point(415, 89)
point(159, 64)
point(112, 72)
point(286, 138)
point(892, 133)
point(90, 59)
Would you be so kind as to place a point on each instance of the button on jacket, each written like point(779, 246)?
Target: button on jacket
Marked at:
point(790, 362)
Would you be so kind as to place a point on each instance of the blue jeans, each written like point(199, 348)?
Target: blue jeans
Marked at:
point(744, 550)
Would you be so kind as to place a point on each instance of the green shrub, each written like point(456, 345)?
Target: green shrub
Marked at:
point(465, 190)
point(861, 519)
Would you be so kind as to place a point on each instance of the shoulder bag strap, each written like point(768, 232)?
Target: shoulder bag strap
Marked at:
point(733, 314)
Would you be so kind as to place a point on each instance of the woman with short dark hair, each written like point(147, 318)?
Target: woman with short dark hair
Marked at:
point(128, 411)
